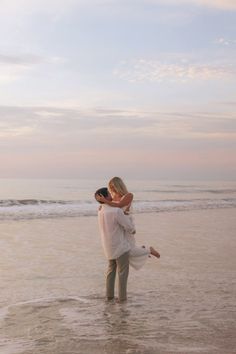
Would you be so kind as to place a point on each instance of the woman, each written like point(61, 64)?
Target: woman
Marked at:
point(121, 198)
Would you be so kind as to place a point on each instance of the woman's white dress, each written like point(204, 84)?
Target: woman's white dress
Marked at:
point(138, 255)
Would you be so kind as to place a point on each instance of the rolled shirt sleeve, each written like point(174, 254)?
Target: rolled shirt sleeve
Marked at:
point(125, 221)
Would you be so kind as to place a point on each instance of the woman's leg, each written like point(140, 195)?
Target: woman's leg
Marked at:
point(154, 252)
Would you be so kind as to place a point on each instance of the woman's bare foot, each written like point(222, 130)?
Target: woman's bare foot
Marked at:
point(154, 252)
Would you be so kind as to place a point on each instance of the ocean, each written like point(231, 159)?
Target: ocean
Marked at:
point(52, 269)
point(39, 199)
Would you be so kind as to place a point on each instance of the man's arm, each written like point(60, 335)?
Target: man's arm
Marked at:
point(125, 221)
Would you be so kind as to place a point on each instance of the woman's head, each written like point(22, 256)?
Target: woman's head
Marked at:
point(117, 186)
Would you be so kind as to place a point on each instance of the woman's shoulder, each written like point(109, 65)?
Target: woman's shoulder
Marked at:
point(128, 196)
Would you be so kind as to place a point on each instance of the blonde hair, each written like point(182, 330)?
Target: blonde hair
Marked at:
point(117, 186)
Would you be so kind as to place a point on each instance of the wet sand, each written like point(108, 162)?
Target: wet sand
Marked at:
point(52, 287)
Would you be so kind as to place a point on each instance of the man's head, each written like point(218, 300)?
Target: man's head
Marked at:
point(104, 192)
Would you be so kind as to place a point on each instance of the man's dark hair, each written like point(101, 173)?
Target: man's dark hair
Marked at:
point(102, 191)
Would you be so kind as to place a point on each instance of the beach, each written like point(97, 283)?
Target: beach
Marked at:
point(136, 98)
point(52, 287)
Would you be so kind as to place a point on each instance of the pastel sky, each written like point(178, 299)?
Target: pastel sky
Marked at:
point(135, 88)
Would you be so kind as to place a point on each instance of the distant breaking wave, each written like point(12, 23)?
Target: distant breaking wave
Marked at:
point(186, 190)
point(20, 202)
point(11, 209)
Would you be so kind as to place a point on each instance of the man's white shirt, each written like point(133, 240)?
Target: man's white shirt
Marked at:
point(113, 225)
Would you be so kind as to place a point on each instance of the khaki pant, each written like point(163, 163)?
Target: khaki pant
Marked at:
point(122, 266)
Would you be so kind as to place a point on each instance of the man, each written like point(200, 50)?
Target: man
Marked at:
point(113, 223)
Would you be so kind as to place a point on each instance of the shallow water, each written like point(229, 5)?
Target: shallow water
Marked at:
point(148, 323)
point(52, 287)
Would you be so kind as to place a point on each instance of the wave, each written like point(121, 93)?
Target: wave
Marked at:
point(16, 202)
point(37, 209)
point(14, 209)
point(186, 190)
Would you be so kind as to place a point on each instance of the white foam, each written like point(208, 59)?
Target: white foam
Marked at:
point(53, 209)
point(4, 311)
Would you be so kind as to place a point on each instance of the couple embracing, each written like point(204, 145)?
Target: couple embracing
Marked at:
point(117, 233)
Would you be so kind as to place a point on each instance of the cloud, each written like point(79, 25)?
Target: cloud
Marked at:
point(229, 103)
point(46, 121)
point(81, 126)
point(142, 70)
point(11, 132)
point(63, 5)
point(220, 4)
point(44, 141)
point(20, 60)
point(13, 67)
point(51, 7)
point(225, 42)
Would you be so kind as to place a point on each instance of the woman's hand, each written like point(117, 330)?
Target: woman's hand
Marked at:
point(100, 198)
point(127, 210)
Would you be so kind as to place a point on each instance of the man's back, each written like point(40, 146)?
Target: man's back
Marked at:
point(113, 224)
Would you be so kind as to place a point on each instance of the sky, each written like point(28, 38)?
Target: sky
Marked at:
point(142, 89)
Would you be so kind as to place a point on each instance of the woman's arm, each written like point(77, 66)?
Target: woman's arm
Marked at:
point(126, 200)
